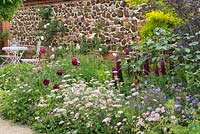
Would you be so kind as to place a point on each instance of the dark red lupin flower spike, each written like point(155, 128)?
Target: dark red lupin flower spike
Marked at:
point(114, 75)
point(162, 67)
point(128, 60)
point(156, 69)
point(119, 70)
point(147, 66)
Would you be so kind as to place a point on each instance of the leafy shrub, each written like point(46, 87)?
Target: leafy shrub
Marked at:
point(160, 19)
point(49, 28)
point(134, 3)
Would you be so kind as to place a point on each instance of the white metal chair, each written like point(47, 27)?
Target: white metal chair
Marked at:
point(8, 57)
point(36, 59)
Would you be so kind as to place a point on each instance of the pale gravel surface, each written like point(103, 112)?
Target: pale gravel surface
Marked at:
point(6, 127)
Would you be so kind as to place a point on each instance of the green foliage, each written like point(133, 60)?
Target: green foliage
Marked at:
point(8, 8)
point(85, 46)
point(158, 19)
point(3, 36)
point(134, 3)
point(50, 28)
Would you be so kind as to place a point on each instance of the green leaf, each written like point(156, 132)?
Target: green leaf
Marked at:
point(187, 50)
point(194, 43)
point(198, 57)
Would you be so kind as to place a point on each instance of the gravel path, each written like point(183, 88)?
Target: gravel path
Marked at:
point(7, 127)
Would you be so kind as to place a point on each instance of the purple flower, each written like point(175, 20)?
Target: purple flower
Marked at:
point(157, 89)
point(114, 74)
point(127, 51)
point(135, 105)
point(156, 69)
point(119, 70)
point(187, 98)
point(162, 67)
point(46, 82)
point(43, 50)
point(179, 109)
point(56, 86)
point(177, 102)
point(145, 97)
point(149, 108)
point(128, 60)
point(75, 61)
point(59, 72)
point(146, 67)
point(194, 101)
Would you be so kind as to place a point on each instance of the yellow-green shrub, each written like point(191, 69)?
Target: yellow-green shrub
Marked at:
point(160, 19)
point(134, 3)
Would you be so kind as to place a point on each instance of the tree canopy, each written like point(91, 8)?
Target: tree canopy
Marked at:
point(8, 8)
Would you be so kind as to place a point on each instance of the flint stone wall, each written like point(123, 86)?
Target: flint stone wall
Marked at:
point(119, 23)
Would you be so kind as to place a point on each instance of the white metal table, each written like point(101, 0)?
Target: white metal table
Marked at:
point(17, 53)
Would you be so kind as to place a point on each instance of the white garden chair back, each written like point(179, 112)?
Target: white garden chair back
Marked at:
point(36, 59)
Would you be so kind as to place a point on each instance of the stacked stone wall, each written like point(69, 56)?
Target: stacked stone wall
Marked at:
point(119, 23)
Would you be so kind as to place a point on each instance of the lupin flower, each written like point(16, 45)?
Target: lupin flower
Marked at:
point(156, 69)
point(119, 70)
point(114, 74)
point(162, 67)
point(146, 67)
point(127, 55)
point(75, 61)
point(128, 60)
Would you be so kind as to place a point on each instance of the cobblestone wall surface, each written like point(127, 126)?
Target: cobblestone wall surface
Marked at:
point(119, 24)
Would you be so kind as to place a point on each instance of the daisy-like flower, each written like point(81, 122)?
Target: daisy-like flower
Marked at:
point(106, 120)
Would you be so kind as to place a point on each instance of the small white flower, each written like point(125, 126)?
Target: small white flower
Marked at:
point(120, 112)
point(45, 26)
point(114, 54)
point(119, 123)
point(61, 122)
point(52, 56)
point(100, 49)
point(37, 118)
point(53, 49)
point(135, 94)
point(42, 37)
point(173, 117)
point(78, 46)
point(92, 35)
point(60, 47)
point(106, 120)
